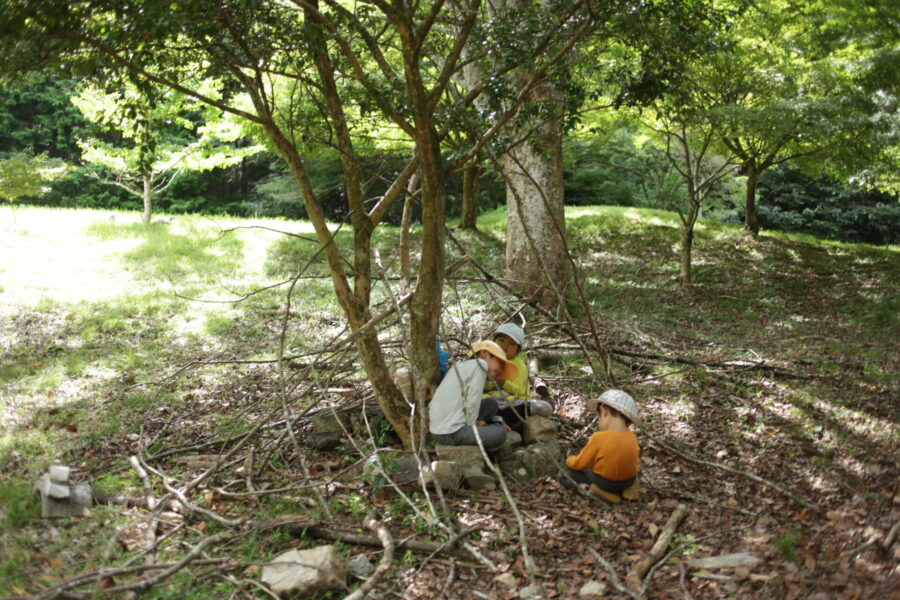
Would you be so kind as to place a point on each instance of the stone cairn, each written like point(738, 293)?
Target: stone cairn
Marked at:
point(62, 498)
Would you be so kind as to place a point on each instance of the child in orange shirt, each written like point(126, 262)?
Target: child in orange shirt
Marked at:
point(610, 460)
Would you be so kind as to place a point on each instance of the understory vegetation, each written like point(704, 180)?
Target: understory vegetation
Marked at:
point(209, 344)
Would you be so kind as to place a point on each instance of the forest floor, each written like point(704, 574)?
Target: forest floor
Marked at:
point(768, 392)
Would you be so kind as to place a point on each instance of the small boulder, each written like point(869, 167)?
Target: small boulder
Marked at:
point(532, 592)
point(444, 473)
point(360, 566)
point(331, 421)
point(539, 429)
point(323, 440)
point(401, 468)
point(538, 460)
point(302, 573)
point(592, 588)
point(465, 456)
point(506, 580)
point(513, 441)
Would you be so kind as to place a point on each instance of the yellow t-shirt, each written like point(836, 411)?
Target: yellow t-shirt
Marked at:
point(518, 387)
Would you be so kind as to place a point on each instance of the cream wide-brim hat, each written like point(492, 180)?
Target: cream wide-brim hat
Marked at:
point(509, 370)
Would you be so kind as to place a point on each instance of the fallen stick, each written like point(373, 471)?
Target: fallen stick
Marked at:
point(313, 530)
point(387, 540)
point(634, 579)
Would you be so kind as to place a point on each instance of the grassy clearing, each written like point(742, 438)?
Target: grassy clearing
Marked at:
point(98, 314)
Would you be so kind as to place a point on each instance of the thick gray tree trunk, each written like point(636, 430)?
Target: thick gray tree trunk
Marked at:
point(535, 242)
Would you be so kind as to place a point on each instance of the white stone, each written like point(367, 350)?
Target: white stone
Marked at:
point(725, 561)
point(59, 474)
point(506, 580)
point(303, 573)
point(531, 592)
point(592, 588)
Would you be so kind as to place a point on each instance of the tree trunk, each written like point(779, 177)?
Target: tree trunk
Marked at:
point(687, 238)
point(471, 177)
point(751, 221)
point(687, 241)
point(425, 308)
point(535, 248)
point(405, 223)
point(148, 200)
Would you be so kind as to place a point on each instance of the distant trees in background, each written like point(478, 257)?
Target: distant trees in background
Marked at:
point(612, 166)
point(825, 94)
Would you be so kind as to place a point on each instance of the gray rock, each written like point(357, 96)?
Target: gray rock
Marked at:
point(302, 573)
point(592, 588)
point(540, 459)
point(324, 440)
point(506, 580)
point(444, 473)
point(479, 480)
point(539, 429)
point(360, 566)
point(330, 421)
point(465, 456)
point(532, 592)
point(513, 441)
point(401, 468)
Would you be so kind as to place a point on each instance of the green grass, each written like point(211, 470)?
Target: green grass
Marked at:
point(97, 308)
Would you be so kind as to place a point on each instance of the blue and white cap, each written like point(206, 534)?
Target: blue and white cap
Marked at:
point(513, 331)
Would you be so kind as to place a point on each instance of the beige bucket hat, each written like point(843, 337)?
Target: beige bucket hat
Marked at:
point(509, 370)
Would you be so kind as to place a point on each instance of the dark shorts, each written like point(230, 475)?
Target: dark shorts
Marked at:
point(589, 477)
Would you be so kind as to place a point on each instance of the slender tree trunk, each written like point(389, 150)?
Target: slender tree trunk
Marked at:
point(751, 220)
point(534, 197)
point(687, 239)
point(405, 224)
point(425, 308)
point(687, 242)
point(471, 178)
point(148, 200)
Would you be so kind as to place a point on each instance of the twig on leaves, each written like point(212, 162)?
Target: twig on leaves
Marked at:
point(677, 551)
point(64, 588)
point(681, 574)
point(312, 529)
point(613, 576)
point(151, 504)
point(634, 579)
point(387, 540)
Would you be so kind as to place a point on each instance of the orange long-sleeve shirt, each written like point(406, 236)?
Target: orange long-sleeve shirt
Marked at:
point(614, 455)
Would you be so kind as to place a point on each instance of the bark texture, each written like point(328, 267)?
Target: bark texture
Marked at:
point(535, 249)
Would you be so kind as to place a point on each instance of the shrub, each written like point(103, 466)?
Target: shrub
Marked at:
point(791, 201)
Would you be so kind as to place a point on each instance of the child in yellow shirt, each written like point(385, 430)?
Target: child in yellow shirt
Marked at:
point(512, 400)
point(611, 458)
